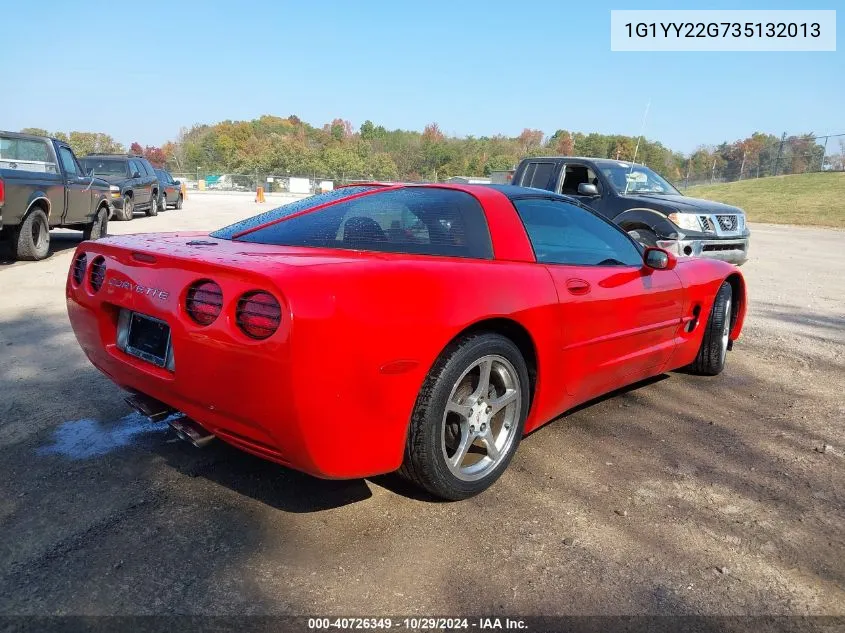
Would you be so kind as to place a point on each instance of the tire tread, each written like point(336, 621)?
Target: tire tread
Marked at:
point(709, 362)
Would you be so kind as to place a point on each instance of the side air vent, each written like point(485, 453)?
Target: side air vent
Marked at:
point(79, 264)
point(98, 273)
point(258, 314)
point(204, 302)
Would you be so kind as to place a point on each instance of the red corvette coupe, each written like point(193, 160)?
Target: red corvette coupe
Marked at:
point(424, 328)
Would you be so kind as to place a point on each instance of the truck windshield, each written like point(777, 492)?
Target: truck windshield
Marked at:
point(633, 179)
point(104, 167)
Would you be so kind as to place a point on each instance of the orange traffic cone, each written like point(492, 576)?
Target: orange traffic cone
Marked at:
point(259, 194)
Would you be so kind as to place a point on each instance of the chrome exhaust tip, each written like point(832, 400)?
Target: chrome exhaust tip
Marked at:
point(188, 430)
point(151, 408)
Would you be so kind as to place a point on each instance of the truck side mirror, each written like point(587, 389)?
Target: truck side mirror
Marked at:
point(136, 174)
point(587, 189)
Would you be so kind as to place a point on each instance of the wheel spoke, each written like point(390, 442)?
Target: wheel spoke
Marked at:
point(502, 401)
point(463, 446)
point(490, 444)
point(461, 409)
point(483, 387)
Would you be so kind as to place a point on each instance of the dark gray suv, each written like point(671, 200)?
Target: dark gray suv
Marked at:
point(134, 184)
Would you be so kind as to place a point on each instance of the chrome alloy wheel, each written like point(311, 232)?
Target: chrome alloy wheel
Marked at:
point(481, 417)
point(726, 331)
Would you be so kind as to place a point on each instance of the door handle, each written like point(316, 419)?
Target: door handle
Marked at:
point(577, 286)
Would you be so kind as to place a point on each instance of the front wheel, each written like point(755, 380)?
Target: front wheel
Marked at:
point(179, 202)
point(469, 417)
point(99, 227)
point(645, 237)
point(128, 209)
point(714, 346)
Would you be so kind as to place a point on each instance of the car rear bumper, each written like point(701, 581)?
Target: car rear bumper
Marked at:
point(299, 411)
point(731, 250)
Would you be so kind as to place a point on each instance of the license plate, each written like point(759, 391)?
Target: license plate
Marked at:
point(148, 339)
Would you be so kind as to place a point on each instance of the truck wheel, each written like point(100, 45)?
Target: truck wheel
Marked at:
point(153, 210)
point(98, 228)
point(644, 236)
point(128, 209)
point(179, 202)
point(714, 346)
point(32, 239)
point(469, 417)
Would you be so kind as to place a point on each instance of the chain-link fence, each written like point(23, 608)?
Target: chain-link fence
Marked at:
point(755, 158)
point(272, 183)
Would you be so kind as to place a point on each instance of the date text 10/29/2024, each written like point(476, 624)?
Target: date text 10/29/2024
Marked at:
point(417, 624)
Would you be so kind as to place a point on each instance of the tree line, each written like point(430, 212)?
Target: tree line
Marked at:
point(272, 145)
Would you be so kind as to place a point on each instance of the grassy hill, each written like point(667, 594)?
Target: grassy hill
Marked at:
point(812, 199)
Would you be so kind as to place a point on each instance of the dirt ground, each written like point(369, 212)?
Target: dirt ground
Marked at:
point(684, 495)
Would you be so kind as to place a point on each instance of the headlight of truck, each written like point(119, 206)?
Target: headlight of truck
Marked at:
point(687, 221)
point(115, 191)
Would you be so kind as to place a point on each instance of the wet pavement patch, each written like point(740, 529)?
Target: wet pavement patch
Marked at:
point(86, 438)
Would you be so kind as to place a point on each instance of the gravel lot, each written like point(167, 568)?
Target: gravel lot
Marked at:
point(683, 495)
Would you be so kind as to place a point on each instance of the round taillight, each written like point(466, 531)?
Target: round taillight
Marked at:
point(98, 273)
point(204, 302)
point(258, 314)
point(79, 264)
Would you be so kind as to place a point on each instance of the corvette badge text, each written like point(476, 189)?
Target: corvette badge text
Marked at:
point(156, 293)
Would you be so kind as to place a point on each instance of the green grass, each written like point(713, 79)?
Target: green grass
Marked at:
point(811, 199)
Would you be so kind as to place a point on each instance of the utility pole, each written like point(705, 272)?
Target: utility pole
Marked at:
point(742, 166)
point(689, 167)
point(780, 152)
point(824, 151)
point(713, 171)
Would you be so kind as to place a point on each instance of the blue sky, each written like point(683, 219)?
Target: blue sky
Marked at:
point(477, 68)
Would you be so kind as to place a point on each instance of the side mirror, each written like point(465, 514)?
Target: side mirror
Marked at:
point(177, 182)
point(588, 189)
point(659, 259)
point(136, 174)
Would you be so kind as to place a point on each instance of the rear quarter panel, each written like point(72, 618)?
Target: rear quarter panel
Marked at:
point(25, 187)
point(362, 348)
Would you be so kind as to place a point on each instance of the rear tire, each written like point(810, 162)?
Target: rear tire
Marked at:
point(99, 227)
point(128, 211)
point(645, 237)
point(153, 210)
point(465, 428)
point(179, 202)
point(714, 346)
point(32, 237)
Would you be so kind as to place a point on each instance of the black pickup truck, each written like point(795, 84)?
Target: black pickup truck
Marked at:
point(42, 186)
point(639, 200)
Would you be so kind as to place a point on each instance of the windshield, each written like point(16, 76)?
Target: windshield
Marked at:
point(104, 167)
point(631, 179)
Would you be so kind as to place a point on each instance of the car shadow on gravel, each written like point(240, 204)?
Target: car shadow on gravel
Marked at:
point(269, 483)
